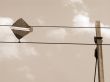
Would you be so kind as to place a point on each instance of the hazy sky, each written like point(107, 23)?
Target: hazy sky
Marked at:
point(53, 63)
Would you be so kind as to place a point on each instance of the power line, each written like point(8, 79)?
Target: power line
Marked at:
point(52, 43)
point(58, 26)
point(67, 27)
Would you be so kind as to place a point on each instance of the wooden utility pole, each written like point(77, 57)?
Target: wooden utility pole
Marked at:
point(98, 41)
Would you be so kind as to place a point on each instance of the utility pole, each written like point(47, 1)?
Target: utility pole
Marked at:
point(98, 41)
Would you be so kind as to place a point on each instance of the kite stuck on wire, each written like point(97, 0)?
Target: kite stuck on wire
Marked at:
point(20, 29)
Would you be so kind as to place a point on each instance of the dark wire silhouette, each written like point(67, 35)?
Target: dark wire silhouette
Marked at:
point(58, 26)
point(56, 43)
point(62, 43)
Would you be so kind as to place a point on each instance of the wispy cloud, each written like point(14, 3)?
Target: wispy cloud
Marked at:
point(76, 1)
point(57, 34)
point(40, 21)
point(81, 17)
point(81, 21)
point(26, 72)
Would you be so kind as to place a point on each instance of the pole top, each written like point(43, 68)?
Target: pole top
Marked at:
point(97, 23)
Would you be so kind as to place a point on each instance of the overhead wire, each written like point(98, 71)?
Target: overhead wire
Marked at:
point(57, 26)
point(68, 27)
point(56, 42)
point(62, 43)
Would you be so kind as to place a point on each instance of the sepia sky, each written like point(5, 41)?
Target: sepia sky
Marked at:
point(53, 63)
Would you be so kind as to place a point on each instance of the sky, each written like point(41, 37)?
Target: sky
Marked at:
point(53, 63)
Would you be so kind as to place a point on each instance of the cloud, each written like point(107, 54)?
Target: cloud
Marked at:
point(40, 21)
point(81, 18)
point(77, 5)
point(81, 21)
point(26, 72)
point(30, 76)
point(76, 1)
point(105, 32)
point(57, 34)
